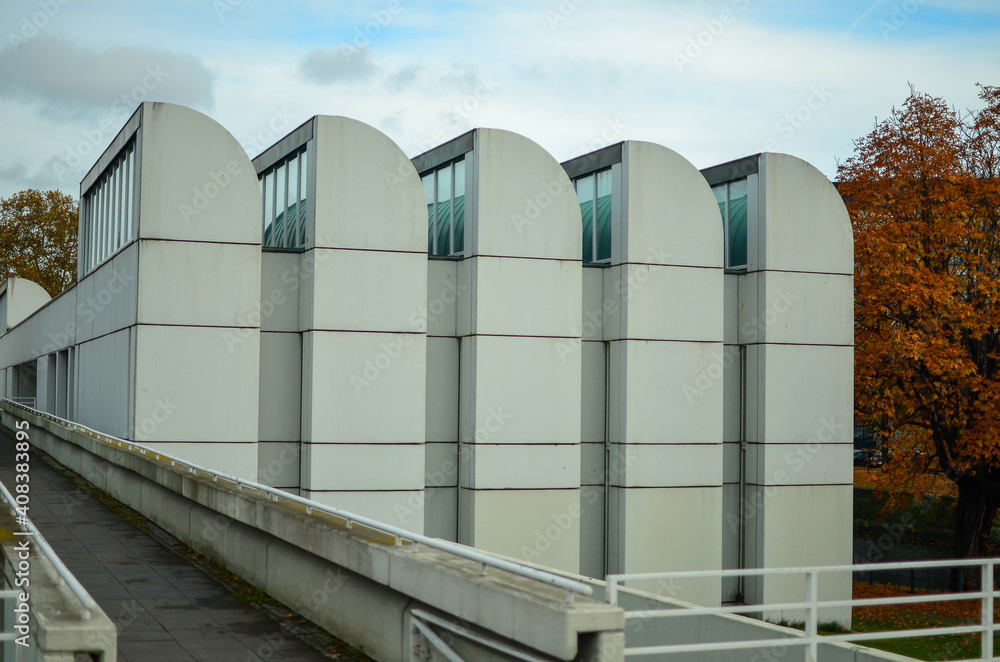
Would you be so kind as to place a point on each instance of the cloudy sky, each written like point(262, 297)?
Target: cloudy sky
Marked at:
point(712, 79)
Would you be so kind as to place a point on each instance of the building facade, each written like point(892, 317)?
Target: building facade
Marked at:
point(573, 364)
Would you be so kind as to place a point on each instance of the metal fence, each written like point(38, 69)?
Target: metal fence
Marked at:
point(811, 605)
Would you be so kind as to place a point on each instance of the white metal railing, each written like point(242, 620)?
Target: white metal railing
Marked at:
point(87, 603)
point(811, 605)
point(484, 560)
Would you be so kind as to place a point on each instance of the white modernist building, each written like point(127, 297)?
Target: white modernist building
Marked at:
point(573, 364)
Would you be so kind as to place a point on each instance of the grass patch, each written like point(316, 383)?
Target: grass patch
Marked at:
point(917, 616)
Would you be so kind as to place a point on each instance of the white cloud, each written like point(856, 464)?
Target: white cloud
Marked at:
point(69, 81)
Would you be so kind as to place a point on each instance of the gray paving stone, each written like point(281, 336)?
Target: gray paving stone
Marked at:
point(165, 610)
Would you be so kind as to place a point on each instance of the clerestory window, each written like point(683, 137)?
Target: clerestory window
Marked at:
point(283, 191)
point(732, 199)
point(594, 193)
point(444, 188)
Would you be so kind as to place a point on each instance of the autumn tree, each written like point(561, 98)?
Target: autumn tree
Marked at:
point(38, 238)
point(923, 191)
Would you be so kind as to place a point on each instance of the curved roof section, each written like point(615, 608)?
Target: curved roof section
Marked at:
point(523, 203)
point(805, 226)
point(671, 212)
point(368, 194)
point(197, 182)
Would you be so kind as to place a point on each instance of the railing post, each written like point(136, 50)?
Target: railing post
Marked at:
point(812, 619)
point(987, 586)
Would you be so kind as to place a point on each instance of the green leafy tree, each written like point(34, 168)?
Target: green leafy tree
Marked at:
point(38, 237)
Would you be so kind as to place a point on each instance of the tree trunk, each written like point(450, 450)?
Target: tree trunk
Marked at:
point(978, 502)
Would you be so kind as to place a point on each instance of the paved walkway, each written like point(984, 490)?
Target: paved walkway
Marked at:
point(166, 609)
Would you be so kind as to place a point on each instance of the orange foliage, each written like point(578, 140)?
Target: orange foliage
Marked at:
point(923, 191)
point(38, 236)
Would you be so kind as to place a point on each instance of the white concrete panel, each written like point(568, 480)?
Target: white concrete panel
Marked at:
point(19, 300)
point(592, 532)
point(197, 182)
point(731, 462)
point(592, 463)
point(280, 402)
point(807, 227)
point(673, 465)
point(530, 466)
point(809, 393)
point(676, 529)
point(106, 300)
point(672, 216)
point(199, 284)
point(402, 509)
point(730, 540)
point(732, 392)
point(523, 392)
point(239, 459)
point(368, 194)
point(441, 513)
point(105, 379)
point(800, 464)
point(441, 465)
point(364, 387)
point(442, 389)
point(542, 526)
point(781, 307)
point(281, 279)
point(526, 297)
point(661, 399)
point(791, 517)
point(667, 303)
point(443, 290)
point(594, 303)
point(362, 467)
point(189, 388)
point(731, 308)
point(278, 463)
point(594, 397)
point(465, 308)
point(369, 291)
point(526, 205)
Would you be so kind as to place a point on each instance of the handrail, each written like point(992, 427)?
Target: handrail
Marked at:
point(812, 605)
point(483, 559)
point(89, 605)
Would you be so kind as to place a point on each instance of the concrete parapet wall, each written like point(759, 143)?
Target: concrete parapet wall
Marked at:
point(356, 582)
